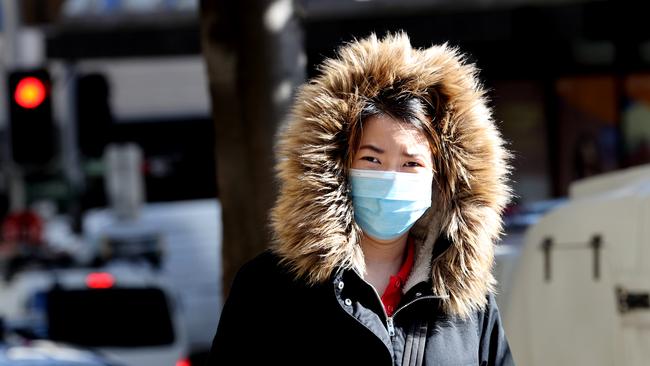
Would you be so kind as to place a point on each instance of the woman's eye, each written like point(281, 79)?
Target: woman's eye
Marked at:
point(370, 159)
point(413, 164)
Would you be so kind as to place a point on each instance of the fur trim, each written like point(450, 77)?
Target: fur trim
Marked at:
point(313, 220)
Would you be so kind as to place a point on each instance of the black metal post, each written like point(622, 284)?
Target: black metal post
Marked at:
point(546, 247)
point(596, 245)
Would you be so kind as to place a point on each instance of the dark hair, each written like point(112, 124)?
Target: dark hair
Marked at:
point(409, 109)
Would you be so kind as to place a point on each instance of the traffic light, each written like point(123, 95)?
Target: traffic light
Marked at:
point(30, 117)
point(94, 118)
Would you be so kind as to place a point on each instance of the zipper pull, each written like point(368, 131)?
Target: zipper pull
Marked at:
point(390, 326)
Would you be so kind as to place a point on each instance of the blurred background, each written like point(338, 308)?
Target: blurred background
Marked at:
point(136, 165)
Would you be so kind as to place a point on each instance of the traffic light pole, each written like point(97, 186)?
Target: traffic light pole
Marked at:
point(11, 24)
point(11, 58)
point(69, 145)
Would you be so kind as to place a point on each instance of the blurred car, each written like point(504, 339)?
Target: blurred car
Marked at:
point(123, 310)
point(16, 350)
point(520, 217)
point(45, 353)
point(186, 238)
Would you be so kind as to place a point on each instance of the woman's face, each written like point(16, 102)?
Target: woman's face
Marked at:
point(390, 145)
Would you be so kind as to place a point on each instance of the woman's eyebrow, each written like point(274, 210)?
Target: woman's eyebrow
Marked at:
point(412, 155)
point(373, 148)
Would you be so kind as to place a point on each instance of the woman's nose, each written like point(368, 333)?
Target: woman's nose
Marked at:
point(396, 167)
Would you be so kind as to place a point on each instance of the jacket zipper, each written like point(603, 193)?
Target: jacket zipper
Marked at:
point(390, 325)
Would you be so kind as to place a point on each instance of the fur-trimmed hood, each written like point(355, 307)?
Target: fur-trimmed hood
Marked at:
point(313, 219)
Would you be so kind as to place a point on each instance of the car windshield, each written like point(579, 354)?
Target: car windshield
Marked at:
point(110, 317)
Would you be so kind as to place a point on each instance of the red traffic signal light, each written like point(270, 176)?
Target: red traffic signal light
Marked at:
point(30, 92)
point(31, 125)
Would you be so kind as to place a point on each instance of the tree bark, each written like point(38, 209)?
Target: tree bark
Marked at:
point(255, 59)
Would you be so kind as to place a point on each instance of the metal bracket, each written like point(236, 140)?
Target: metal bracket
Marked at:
point(596, 244)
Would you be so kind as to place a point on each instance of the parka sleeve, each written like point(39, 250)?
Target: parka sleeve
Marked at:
point(240, 317)
point(494, 349)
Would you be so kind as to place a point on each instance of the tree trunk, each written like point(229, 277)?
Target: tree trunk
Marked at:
point(255, 59)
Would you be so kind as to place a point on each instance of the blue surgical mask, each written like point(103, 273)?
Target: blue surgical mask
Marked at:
point(387, 204)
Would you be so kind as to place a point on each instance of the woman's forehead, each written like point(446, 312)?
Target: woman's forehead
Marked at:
point(383, 128)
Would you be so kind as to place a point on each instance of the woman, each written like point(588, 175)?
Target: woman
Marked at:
point(393, 178)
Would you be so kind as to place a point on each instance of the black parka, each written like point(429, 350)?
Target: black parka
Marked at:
point(271, 319)
point(304, 301)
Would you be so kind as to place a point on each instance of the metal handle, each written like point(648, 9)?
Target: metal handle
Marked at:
point(628, 301)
